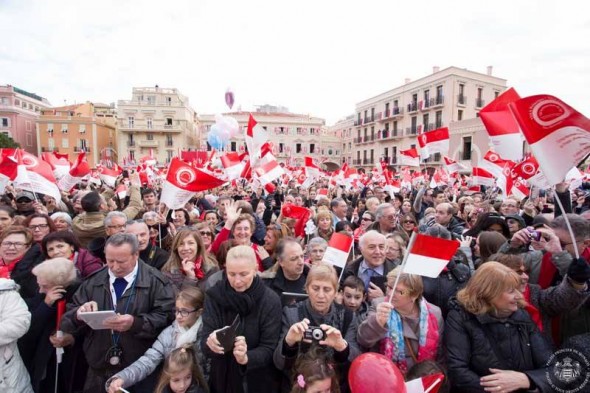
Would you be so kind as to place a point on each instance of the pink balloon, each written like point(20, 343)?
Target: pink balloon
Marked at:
point(229, 98)
point(375, 373)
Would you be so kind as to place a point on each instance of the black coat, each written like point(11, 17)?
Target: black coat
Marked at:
point(21, 274)
point(260, 325)
point(154, 256)
point(474, 344)
point(353, 268)
point(439, 290)
point(278, 283)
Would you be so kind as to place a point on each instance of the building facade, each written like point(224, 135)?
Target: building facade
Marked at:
point(156, 121)
point(293, 136)
point(19, 111)
point(75, 128)
point(345, 129)
point(390, 122)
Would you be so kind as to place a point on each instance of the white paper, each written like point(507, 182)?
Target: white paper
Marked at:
point(95, 319)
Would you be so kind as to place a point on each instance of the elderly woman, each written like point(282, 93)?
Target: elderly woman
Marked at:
point(57, 280)
point(63, 244)
point(241, 227)
point(337, 325)
point(40, 226)
point(492, 344)
point(316, 248)
point(367, 219)
point(325, 225)
point(396, 248)
point(188, 263)
point(62, 221)
point(14, 323)
point(409, 329)
point(247, 365)
point(158, 229)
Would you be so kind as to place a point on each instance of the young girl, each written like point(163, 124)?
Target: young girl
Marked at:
point(182, 332)
point(181, 374)
point(314, 374)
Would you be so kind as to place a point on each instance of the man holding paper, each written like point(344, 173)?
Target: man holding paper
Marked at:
point(143, 301)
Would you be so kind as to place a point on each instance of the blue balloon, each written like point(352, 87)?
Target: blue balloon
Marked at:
point(215, 141)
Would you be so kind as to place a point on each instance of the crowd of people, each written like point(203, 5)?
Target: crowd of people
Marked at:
point(223, 296)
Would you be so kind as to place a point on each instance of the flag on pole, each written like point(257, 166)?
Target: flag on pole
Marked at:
point(493, 163)
point(429, 255)
point(453, 166)
point(338, 249)
point(435, 141)
point(501, 126)
point(299, 214)
point(75, 174)
point(556, 132)
point(529, 170)
point(233, 165)
point(269, 172)
point(409, 157)
point(426, 384)
point(35, 175)
point(482, 177)
point(311, 170)
point(256, 137)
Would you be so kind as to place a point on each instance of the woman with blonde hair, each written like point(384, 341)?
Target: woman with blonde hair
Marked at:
point(188, 263)
point(491, 341)
point(325, 225)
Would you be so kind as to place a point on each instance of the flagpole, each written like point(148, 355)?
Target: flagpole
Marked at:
point(410, 244)
point(567, 223)
point(439, 380)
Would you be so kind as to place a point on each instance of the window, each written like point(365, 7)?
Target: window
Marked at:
point(4, 100)
point(426, 97)
point(466, 151)
point(168, 123)
point(479, 101)
point(82, 129)
point(64, 128)
point(311, 148)
point(461, 89)
point(5, 122)
point(496, 94)
point(281, 147)
point(330, 152)
point(168, 101)
point(387, 109)
point(131, 121)
point(16, 102)
point(438, 119)
point(372, 133)
point(28, 125)
point(459, 115)
point(414, 124)
point(425, 122)
point(51, 144)
point(65, 143)
point(24, 105)
point(439, 92)
point(50, 127)
point(372, 114)
point(395, 128)
point(132, 155)
point(233, 146)
point(298, 148)
point(149, 123)
point(150, 137)
point(29, 140)
point(169, 155)
point(386, 151)
point(169, 141)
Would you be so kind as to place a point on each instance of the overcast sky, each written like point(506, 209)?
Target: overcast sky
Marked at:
point(312, 56)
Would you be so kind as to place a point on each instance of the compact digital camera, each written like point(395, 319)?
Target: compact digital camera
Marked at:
point(314, 333)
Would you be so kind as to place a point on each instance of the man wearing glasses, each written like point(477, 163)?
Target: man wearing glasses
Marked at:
point(386, 217)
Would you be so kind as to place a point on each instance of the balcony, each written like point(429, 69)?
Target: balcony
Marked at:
point(169, 143)
point(357, 162)
point(438, 125)
point(428, 127)
point(79, 149)
point(439, 100)
point(411, 130)
point(479, 103)
point(396, 111)
point(461, 99)
point(130, 143)
point(413, 106)
point(368, 161)
point(393, 161)
point(358, 140)
point(148, 143)
point(358, 122)
point(48, 149)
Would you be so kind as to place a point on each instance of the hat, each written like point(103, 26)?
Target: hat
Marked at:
point(517, 218)
point(25, 194)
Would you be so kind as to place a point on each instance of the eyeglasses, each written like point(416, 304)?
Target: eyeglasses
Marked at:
point(366, 219)
point(409, 222)
point(17, 245)
point(184, 313)
point(38, 227)
point(400, 292)
point(116, 226)
point(206, 233)
point(390, 217)
point(23, 200)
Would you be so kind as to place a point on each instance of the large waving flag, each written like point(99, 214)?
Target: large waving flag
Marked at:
point(409, 157)
point(453, 166)
point(436, 141)
point(35, 175)
point(256, 137)
point(429, 255)
point(559, 135)
point(59, 163)
point(311, 170)
point(501, 126)
point(75, 174)
point(233, 165)
point(493, 163)
point(269, 172)
point(529, 170)
point(482, 177)
point(183, 182)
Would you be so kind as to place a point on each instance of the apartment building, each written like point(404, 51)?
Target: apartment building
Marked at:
point(19, 111)
point(293, 136)
point(389, 122)
point(345, 130)
point(75, 128)
point(158, 121)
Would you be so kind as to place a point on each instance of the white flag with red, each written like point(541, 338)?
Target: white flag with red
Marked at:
point(558, 134)
point(427, 384)
point(429, 255)
point(35, 175)
point(311, 170)
point(501, 126)
point(256, 137)
point(493, 163)
point(109, 176)
point(482, 177)
point(269, 172)
point(529, 170)
point(409, 157)
point(59, 165)
point(519, 189)
point(338, 249)
point(435, 141)
point(233, 165)
point(183, 182)
point(453, 166)
point(75, 174)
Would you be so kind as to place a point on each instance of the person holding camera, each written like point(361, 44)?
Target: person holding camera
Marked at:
point(318, 321)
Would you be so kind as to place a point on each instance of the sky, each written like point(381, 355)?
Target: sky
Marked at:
point(313, 57)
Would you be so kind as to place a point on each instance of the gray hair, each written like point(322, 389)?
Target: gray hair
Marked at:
point(317, 241)
point(64, 216)
point(58, 271)
point(580, 226)
point(120, 239)
point(150, 216)
point(282, 244)
point(109, 218)
point(368, 234)
point(381, 209)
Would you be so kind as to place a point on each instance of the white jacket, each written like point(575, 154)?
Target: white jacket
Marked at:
point(15, 319)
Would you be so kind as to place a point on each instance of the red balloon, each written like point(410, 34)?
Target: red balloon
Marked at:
point(375, 373)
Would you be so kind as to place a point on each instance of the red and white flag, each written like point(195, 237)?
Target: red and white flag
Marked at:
point(338, 249)
point(321, 193)
point(183, 182)
point(453, 166)
point(493, 163)
point(256, 137)
point(75, 174)
point(435, 141)
point(501, 126)
point(269, 172)
point(559, 135)
point(409, 157)
point(35, 175)
point(482, 177)
point(529, 170)
point(426, 384)
point(59, 165)
point(429, 255)
point(311, 170)
point(299, 214)
point(519, 189)
point(232, 165)
point(109, 176)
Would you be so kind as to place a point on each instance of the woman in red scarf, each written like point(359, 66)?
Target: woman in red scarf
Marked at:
point(14, 243)
point(189, 263)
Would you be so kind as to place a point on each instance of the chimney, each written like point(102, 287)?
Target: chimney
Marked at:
point(406, 81)
point(435, 69)
point(490, 70)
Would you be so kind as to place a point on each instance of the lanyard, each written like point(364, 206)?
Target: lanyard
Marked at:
point(117, 336)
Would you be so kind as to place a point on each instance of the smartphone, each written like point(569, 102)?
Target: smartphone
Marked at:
point(380, 281)
point(227, 335)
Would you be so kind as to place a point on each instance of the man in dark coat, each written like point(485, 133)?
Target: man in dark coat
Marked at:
point(292, 272)
point(143, 300)
point(149, 253)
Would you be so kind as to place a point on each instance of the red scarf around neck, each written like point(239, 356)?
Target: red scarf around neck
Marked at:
point(532, 310)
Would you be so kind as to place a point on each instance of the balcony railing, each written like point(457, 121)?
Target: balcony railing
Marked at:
point(411, 130)
point(368, 161)
point(393, 160)
point(130, 143)
point(479, 103)
point(461, 99)
point(86, 149)
point(439, 100)
point(169, 144)
point(358, 122)
point(428, 127)
point(357, 162)
point(437, 125)
point(413, 106)
point(148, 143)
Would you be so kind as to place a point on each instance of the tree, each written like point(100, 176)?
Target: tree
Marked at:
point(6, 141)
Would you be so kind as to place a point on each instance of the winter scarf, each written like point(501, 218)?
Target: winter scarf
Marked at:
point(532, 310)
point(238, 302)
point(184, 336)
